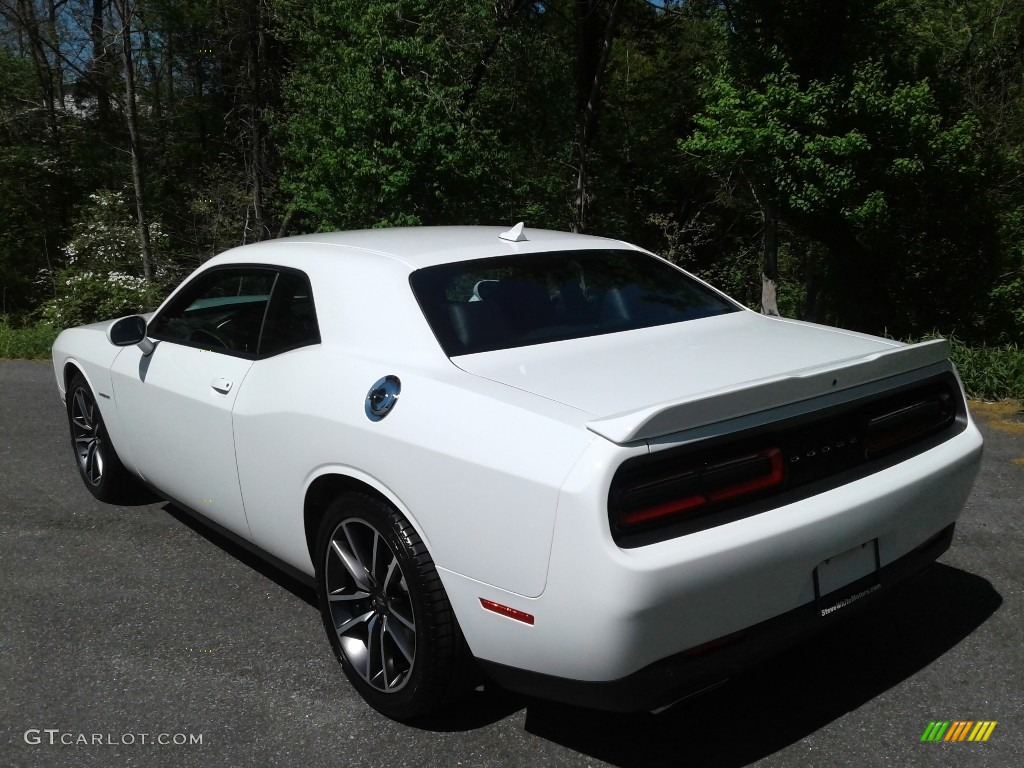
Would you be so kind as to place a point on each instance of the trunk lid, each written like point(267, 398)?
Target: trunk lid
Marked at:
point(654, 381)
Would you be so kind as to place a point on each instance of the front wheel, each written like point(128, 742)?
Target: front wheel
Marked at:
point(98, 464)
point(385, 611)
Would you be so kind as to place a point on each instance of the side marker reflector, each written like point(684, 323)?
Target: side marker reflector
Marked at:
point(505, 610)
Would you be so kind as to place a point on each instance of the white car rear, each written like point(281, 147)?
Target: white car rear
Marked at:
point(559, 457)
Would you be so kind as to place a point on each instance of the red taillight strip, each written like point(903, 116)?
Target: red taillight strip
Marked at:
point(505, 610)
point(774, 455)
point(775, 476)
point(638, 516)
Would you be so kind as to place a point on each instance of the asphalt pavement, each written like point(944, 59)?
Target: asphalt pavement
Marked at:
point(135, 636)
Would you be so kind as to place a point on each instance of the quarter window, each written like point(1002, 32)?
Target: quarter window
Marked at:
point(291, 317)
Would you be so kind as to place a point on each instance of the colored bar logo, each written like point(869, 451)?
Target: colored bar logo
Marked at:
point(959, 730)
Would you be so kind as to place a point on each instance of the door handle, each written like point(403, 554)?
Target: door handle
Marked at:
point(222, 385)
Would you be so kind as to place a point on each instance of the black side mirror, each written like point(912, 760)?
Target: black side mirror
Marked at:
point(130, 330)
point(127, 331)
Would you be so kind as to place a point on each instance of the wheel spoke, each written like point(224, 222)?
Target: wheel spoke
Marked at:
point(398, 637)
point(347, 626)
point(358, 547)
point(349, 597)
point(374, 651)
point(374, 549)
point(392, 567)
point(387, 661)
point(81, 414)
point(94, 463)
point(408, 622)
point(355, 568)
point(83, 445)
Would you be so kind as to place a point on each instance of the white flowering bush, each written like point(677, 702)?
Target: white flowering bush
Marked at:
point(84, 297)
point(101, 276)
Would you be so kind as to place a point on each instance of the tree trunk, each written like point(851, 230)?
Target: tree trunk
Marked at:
point(257, 139)
point(505, 13)
point(812, 294)
point(26, 16)
point(593, 70)
point(97, 65)
point(195, 69)
point(125, 10)
point(286, 222)
point(770, 273)
point(58, 70)
point(155, 80)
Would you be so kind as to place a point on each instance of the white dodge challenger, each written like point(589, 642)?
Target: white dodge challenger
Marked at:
point(556, 459)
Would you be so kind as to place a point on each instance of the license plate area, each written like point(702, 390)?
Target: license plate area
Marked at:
point(845, 578)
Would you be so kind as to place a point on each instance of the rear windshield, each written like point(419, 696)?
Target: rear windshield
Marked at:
point(515, 301)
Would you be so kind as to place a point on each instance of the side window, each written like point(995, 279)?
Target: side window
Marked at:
point(291, 317)
point(222, 310)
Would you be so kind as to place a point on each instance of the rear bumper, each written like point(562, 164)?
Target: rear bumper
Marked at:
point(616, 622)
point(698, 669)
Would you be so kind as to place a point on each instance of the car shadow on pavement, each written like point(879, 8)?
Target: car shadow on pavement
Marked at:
point(206, 529)
point(138, 495)
point(787, 699)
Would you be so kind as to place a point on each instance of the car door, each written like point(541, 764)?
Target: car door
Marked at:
point(176, 403)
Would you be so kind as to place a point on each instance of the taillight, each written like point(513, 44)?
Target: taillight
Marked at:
point(902, 426)
point(684, 487)
point(699, 488)
point(743, 475)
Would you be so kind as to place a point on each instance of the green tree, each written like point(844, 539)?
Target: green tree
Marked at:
point(32, 177)
point(847, 163)
point(786, 144)
point(974, 49)
point(384, 122)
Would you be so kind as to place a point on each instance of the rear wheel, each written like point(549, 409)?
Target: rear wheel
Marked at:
point(98, 464)
point(385, 611)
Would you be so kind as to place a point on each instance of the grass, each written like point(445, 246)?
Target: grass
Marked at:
point(26, 342)
point(990, 373)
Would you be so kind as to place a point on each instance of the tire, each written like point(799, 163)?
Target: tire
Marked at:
point(385, 611)
point(97, 461)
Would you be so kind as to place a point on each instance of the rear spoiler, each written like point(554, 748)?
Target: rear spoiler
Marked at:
point(763, 394)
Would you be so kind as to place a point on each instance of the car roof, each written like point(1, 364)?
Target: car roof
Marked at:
point(422, 246)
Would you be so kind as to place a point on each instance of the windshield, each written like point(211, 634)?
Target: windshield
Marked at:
point(515, 301)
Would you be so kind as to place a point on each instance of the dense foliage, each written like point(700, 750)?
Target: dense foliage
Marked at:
point(865, 156)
